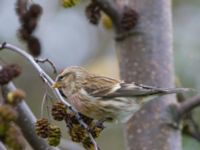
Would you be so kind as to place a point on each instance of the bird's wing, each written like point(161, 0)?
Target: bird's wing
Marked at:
point(99, 86)
point(134, 89)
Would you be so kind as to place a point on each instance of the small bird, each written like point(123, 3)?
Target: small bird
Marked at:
point(104, 98)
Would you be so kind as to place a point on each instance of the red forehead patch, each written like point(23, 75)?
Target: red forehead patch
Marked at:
point(62, 70)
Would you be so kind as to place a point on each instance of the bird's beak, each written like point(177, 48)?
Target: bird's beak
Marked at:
point(57, 85)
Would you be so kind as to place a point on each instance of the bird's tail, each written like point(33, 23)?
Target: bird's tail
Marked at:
point(176, 90)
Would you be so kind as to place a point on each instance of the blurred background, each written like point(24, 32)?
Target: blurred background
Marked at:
point(68, 38)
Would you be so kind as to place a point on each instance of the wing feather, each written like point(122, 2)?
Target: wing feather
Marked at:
point(133, 89)
point(99, 86)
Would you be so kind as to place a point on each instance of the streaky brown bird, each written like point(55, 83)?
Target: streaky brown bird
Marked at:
point(105, 98)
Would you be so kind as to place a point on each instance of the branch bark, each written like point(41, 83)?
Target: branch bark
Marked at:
point(147, 58)
point(188, 105)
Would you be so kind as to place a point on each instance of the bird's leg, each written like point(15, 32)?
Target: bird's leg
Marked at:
point(100, 123)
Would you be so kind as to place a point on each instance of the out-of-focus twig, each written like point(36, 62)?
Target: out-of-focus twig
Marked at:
point(188, 105)
point(2, 147)
point(190, 126)
point(48, 61)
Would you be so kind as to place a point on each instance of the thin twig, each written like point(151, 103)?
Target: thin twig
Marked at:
point(190, 126)
point(48, 61)
point(47, 79)
point(188, 105)
point(43, 103)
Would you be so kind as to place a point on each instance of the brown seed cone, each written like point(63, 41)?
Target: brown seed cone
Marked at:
point(87, 144)
point(96, 129)
point(23, 34)
point(3, 128)
point(34, 46)
point(58, 111)
point(54, 135)
point(129, 19)
point(42, 127)
point(93, 13)
point(8, 113)
point(86, 119)
point(35, 10)
point(14, 139)
point(25, 18)
point(15, 97)
point(20, 7)
point(77, 133)
point(8, 73)
point(70, 119)
point(30, 25)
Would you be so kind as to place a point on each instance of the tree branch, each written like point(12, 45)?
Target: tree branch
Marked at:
point(2, 147)
point(190, 126)
point(188, 105)
point(148, 59)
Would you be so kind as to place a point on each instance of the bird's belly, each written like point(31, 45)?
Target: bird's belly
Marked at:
point(89, 107)
point(120, 109)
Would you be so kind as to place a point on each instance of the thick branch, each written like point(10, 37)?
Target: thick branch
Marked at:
point(188, 105)
point(148, 58)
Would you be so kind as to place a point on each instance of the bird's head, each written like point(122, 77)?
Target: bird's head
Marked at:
point(70, 79)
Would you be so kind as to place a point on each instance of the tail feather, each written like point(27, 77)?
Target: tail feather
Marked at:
point(133, 89)
point(176, 90)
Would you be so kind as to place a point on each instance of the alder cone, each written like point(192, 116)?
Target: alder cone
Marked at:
point(35, 10)
point(8, 73)
point(42, 127)
point(59, 111)
point(34, 46)
point(54, 135)
point(93, 13)
point(129, 19)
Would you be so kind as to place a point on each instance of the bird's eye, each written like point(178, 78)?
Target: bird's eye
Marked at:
point(60, 77)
